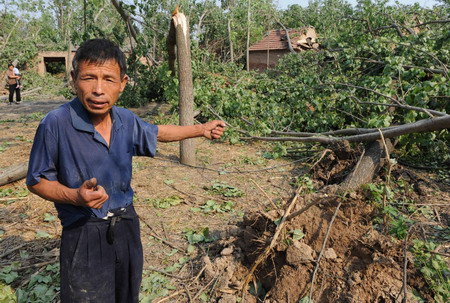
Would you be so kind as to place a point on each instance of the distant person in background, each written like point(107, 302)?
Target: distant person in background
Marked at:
point(17, 73)
point(13, 84)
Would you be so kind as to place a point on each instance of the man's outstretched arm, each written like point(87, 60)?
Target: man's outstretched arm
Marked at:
point(211, 130)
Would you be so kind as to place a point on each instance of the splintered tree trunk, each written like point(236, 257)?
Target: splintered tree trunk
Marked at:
point(13, 173)
point(368, 165)
point(186, 108)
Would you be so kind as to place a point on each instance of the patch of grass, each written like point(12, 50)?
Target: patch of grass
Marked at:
point(23, 139)
point(38, 116)
point(4, 146)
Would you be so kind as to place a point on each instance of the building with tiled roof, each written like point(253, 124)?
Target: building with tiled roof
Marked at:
point(265, 53)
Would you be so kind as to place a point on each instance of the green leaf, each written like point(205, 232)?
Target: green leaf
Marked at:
point(42, 234)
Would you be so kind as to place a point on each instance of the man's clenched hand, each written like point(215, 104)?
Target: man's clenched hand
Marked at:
point(91, 195)
point(213, 129)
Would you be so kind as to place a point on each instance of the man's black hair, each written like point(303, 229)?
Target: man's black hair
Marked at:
point(10, 64)
point(99, 51)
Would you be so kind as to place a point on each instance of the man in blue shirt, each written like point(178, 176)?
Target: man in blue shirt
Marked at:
point(81, 160)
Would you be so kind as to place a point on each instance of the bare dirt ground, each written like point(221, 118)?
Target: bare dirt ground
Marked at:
point(204, 227)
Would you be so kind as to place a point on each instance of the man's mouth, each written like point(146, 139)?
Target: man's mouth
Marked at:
point(97, 104)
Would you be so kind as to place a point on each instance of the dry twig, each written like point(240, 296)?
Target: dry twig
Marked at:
point(268, 198)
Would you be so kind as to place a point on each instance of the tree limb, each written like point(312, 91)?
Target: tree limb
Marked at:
point(425, 125)
point(287, 36)
point(419, 109)
point(430, 70)
point(432, 22)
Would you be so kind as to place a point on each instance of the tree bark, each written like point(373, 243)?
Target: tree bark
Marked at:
point(368, 165)
point(230, 38)
point(186, 109)
point(248, 36)
point(13, 173)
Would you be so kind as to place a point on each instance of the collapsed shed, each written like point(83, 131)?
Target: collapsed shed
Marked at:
point(265, 53)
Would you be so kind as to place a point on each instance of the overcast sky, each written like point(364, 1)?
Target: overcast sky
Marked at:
point(283, 4)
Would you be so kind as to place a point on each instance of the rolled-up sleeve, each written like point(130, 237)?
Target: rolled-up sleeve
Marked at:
point(43, 157)
point(144, 138)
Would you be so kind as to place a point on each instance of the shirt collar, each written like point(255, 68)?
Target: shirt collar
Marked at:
point(81, 120)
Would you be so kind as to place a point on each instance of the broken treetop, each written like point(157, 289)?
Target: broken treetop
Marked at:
point(68, 149)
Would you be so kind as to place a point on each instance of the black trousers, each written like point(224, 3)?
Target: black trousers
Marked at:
point(95, 270)
point(13, 88)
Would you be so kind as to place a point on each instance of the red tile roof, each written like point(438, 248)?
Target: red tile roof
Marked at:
point(277, 39)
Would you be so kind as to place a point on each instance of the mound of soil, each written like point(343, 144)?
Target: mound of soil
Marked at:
point(359, 264)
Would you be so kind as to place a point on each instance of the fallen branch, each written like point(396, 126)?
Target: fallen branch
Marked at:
point(407, 66)
point(429, 112)
point(291, 49)
point(13, 173)
point(165, 273)
point(268, 198)
point(12, 250)
point(127, 19)
point(432, 22)
point(425, 125)
point(153, 234)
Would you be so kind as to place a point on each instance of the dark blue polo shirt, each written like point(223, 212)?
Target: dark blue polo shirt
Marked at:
point(68, 149)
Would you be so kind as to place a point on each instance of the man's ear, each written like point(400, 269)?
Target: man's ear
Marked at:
point(124, 82)
point(73, 81)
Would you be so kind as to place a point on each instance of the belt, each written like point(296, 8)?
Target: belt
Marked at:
point(114, 216)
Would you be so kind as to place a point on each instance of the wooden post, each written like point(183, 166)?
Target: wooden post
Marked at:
point(179, 25)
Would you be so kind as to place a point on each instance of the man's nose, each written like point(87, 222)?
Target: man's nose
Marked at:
point(98, 87)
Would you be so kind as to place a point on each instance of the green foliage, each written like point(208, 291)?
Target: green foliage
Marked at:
point(222, 188)
point(7, 294)
point(154, 285)
point(297, 234)
point(43, 287)
point(50, 85)
point(305, 182)
point(49, 217)
point(212, 206)
point(434, 269)
point(384, 197)
point(8, 274)
point(164, 202)
point(201, 236)
point(17, 192)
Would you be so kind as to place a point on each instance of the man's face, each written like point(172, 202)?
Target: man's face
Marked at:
point(11, 67)
point(98, 86)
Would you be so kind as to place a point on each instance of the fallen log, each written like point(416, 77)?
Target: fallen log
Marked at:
point(13, 173)
point(368, 165)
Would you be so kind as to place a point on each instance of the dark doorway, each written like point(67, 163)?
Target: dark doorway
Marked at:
point(55, 66)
